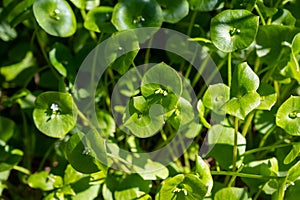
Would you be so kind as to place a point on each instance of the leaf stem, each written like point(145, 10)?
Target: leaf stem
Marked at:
point(229, 69)
point(192, 22)
point(244, 175)
point(260, 14)
point(21, 169)
point(234, 159)
point(247, 123)
point(276, 146)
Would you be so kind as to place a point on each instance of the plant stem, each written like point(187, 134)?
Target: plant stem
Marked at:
point(247, 123)
point(260, 14)
point(229, 69)
point(192, 22)
point(234, 159)
point(263, 140)
point(254, 176)
point(201, 70)
point(21, 169)
point(276, 146)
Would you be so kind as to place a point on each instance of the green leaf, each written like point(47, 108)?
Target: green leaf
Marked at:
point(244, 97)
point(221, 141)
point(266, 11)
point(288, 116)
point(265, 120)
point(7, 32)
point(174, 11)
point(55, 113)
point(9, 157)
point(268, 96)
point(121, 51)
point(59, 59)
point(293, 154)
point(3, 177)
point(56, 17)
point(293, 191)
point(71, 175)
point(233, 30)
point(86, 149)
point(284, 17)
point(86, 4)
point(232, 193)
point(206, 5)
point(43, 180)
point(267, 167)
point(203, 171)
point(293, 173)
point(216, 96)
point(7, 128)
point(129, 14)
point(99, 20)
point(183, 187)
point(151, 170)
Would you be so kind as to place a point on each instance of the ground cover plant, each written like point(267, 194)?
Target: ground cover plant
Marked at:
point(95, 104)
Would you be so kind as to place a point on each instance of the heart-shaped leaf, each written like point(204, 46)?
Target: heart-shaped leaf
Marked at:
point(56, 17)
point(184, 187)
point(206, 5)
point(129, 14)
point(244, 97)
point(55, 113)
point(233, 30)
point(99, 20)
point(232, 193)
point(288, 116)
point(175, 10)
point(86, 152)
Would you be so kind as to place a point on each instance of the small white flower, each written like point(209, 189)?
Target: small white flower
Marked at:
point(54, 107)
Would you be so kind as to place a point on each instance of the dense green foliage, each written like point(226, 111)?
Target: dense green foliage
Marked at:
point(239, 137)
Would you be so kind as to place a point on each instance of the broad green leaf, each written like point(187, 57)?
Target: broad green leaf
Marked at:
point(9, 157)
point(58, 59)
point(293, 154)
point(151, 170)
point(129, 14)
point(71, 175)
point(130, 193)
point(203, 171)
point(216, 96)
point(183, 187)
point(238, 4)
point(233, 30)
point(99, 20)
point(12, 71)
point(293, 173)
point(267, 167)
point(284, 17)
point(288, 116)
point(56, 17)
point(293, 191)
point(7, 128)
point(174, 11)
point(268, 96)
point(85, 190)
point(86, 4)
point(266, 11)
point(55, 113)
point(244, 97)
point(44, 181)
point(80, 155)
point(269, 50)
point(221, 142)
point(161, 79)
point(206, 5)
point(232, 193)
point(121, 51)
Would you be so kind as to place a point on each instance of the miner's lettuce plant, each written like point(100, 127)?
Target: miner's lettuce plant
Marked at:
point(243, 131)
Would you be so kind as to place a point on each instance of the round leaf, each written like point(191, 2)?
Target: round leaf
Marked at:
point(175, 10)
point(7, 128)
point(288, 116)
point(99, 20)
point(55, 113)
point(56, 17)
point(129, 14)
point(232, 193)
point(233, 30)
point(184, 187)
